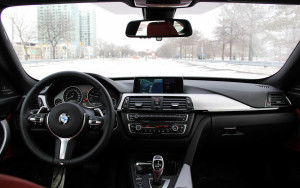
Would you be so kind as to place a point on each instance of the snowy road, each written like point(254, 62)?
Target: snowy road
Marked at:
point(128, 67)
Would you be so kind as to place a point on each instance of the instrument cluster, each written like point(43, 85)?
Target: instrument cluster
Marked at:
point(84, 95)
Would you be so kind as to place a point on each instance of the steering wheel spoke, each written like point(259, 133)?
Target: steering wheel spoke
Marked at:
point(64, 148)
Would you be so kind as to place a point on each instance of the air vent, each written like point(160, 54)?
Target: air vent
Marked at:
point(143, 103)
point(277, 100)
point(263, 86)
point(177, 103)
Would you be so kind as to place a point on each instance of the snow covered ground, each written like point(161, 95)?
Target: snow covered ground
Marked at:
point(128, 67)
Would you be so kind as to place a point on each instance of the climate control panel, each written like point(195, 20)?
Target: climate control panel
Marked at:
point(158, 125)
point(139, 128)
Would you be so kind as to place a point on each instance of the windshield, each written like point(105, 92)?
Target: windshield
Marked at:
point(248, 41)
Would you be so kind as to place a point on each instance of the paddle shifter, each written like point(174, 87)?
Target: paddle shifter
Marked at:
point(158, 169)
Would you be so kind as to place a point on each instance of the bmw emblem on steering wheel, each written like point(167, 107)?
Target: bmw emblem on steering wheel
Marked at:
point(64, 118)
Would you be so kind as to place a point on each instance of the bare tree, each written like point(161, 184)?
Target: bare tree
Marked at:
point(54, 30)
point(185, 45)
point(23, 30)
point(253, 23)
point(239, 25)
point(283, 30)
point(195, 40)
point(221, 31)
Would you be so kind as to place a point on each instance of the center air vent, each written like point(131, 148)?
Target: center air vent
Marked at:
point(143, 103)
point(158, 103)
point(175, 103)
point(277, 100)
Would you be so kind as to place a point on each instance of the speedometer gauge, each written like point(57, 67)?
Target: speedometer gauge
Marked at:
point(72, 94)
point(94, 97)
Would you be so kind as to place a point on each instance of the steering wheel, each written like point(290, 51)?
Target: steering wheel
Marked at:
point(67, 121)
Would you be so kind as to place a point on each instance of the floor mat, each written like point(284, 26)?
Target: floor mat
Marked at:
point(217, 174)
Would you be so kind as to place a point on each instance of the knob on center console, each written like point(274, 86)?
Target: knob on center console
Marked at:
point(138, 127)
point(175, 128)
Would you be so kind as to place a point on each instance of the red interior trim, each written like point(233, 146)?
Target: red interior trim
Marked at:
point(13, 182)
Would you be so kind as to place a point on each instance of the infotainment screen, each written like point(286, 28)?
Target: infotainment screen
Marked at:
point(151, 86)
point(158, 85)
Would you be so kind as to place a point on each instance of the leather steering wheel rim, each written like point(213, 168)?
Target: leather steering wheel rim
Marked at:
point(107, 129)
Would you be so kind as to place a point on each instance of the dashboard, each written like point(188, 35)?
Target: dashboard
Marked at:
point(156, 109)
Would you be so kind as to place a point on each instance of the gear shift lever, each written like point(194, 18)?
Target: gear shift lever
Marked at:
point(158, 169)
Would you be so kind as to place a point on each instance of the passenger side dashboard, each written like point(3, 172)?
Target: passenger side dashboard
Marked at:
point(239, 113)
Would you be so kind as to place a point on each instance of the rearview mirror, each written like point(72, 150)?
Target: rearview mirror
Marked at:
point(159, 28)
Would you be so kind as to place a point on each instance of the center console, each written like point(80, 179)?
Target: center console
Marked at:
point(157, 112)
point(157, 116)
point(157, 108)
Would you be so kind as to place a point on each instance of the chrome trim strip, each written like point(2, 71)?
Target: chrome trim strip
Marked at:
point(100, 111)
point(185, 177)
point(42, 108)
point(142, 163)
point(4, 125)
point(205, 102)
point(187, 117)
point(288, 100)
point(63, 147)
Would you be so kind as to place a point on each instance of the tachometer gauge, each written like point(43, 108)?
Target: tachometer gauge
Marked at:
point(72, 94)
point(57, 101)
point(94, 97)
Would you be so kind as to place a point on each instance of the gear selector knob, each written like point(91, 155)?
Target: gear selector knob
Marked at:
point(158, 169)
